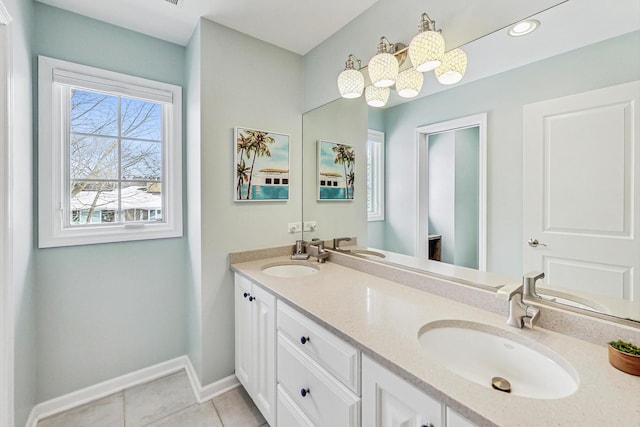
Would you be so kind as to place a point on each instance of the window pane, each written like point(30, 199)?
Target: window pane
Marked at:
point(141, 160)
point(139, 198)
point(93, 157)
point(141, 119)
point(94, 113)
point(91, 201)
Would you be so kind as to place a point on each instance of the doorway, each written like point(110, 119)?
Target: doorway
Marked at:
point(452, 192)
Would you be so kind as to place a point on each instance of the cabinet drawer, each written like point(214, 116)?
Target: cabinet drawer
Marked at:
point(325, 401)
point(332, 353)
point(289, 415)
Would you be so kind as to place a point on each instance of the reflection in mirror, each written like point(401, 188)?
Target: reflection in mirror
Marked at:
point(575, 69)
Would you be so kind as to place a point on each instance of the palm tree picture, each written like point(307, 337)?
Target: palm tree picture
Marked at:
point(336, 171)
point(262, 165)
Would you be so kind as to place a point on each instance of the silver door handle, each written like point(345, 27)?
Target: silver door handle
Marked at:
point(534, 243)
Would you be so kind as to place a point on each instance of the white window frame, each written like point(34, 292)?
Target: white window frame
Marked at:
point(53, 74)
point(375, 145)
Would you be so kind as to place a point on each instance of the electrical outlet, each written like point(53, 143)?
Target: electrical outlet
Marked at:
point(310, 226)
point(294, 227)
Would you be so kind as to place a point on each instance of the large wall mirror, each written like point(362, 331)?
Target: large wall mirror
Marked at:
point(596, 57)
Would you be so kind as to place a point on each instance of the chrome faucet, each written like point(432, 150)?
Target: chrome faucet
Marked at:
point(529, 284)
point(520, 314)
point(299, 251)
point(337, 240)
point(316, 249)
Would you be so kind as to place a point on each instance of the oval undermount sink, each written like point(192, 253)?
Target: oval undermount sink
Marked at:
point(290, 269)
point(368, 253)
point(482, 353)
point(573, 301)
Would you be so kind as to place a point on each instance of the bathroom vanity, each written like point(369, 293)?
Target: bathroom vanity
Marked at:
point(328, 345)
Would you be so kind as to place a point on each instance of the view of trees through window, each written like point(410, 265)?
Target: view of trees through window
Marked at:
point(115, 158)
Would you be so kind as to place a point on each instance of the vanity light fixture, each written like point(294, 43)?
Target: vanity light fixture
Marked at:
point(351, 81)
point(376, 96)
point(426, 51)
point(383, 67)
point(427, 48)
point(523, 28)
point(453, 67)
point(409, 83)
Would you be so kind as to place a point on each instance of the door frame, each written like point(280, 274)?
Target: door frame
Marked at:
point(6, 295)
point(422, 156)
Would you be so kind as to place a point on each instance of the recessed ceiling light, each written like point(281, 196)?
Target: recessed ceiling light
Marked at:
point(523, 27)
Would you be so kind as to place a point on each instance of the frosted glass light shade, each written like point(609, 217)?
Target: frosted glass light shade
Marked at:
point(453, 67)
point(383, 70)
point(409, 83)
point(350, 83)
point(376, 96)
point(426, 50)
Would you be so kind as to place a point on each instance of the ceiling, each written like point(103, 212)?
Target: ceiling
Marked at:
point(295, 25)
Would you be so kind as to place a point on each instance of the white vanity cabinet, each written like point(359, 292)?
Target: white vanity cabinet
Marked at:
point(318, 374)
point(255, 332)
point(390, 401)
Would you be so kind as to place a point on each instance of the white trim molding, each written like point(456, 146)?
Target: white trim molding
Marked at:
point(55, 80)
point(422, 134)
point(115, 385)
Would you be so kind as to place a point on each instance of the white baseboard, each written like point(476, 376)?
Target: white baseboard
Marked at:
point(115, 385)
point(212, 390)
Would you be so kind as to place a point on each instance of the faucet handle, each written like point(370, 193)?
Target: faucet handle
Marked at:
point(533, 314)
point(508, 291)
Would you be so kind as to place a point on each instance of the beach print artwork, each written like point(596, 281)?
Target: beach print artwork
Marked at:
point(262, 165)
point(336, 171)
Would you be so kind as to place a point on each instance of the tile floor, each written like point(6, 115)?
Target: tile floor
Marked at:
point(165, 402)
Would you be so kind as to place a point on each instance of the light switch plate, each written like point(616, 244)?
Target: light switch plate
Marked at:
point(294, 227)
point(310, 226)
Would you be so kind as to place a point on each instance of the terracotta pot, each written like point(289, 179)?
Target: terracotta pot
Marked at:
point(625, 362)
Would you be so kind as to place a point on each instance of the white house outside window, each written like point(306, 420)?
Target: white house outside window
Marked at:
point(109, 156)
point(375, 175)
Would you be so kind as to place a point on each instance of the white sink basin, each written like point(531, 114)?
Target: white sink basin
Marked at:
point(480, 352)
point(290, 269)
point(368, 253)
point(572, 301)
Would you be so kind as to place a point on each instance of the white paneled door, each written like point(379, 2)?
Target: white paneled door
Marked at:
point(582, 190)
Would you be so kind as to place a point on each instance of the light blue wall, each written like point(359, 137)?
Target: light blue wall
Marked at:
point(466, 197)
point(106, 310)
point(194, 187)
point(375, 229)
point(22, 263)
point(502, 96)
point(245, 82)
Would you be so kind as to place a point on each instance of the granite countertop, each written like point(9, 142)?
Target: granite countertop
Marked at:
point(383, 318)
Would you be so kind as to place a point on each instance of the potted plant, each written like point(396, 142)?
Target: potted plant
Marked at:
point(625, 357)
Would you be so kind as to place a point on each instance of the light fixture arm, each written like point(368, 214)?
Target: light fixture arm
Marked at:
point(350, 63)
point(385, 46)
point(427, 24)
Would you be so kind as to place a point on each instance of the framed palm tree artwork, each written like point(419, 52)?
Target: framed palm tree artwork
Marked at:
point(336, 171)
point(262, 165)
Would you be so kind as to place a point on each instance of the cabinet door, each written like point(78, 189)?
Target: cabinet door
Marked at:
point(456, 420)
point(243, 331)
point(389, 401)
point(263, 306)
